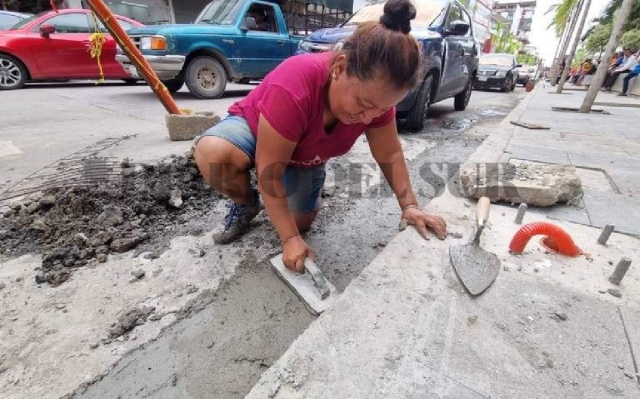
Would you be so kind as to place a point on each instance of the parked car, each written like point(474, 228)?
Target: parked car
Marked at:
point(55, 46)
point(231, 40)
point(444, 30)
point(525, 74)
point(10, 18)
point(497, 70)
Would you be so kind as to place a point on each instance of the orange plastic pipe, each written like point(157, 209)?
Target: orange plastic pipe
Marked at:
point(108, 19)
point(557, 239)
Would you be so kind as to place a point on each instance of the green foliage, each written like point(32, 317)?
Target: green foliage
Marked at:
point(505, 41)
point(527, 59)
point(631, 39)
point(580, 57)
point(597, 40)
point(561, 15)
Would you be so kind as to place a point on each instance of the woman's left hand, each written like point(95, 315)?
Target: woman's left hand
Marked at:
point(422, 220)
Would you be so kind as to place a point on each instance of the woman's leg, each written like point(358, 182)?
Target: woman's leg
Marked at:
point(303, 188)
point(224, 155)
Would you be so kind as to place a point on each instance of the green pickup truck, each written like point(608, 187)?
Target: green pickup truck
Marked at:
point(231, 40)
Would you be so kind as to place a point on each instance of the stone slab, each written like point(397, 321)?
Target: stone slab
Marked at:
point(617, 209)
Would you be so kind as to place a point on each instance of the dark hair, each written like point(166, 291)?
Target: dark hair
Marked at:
point(384, 49)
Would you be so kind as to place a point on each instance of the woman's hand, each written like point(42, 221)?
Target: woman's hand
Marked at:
point(294, 252)
point(422, 220)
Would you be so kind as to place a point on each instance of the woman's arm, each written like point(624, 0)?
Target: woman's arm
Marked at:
point(273, 153)
point(387, 151)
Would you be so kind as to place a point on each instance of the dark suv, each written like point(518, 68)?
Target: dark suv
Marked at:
point(444, 30)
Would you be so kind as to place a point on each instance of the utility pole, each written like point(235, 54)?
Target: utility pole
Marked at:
point(598, 80)
point(574, 47)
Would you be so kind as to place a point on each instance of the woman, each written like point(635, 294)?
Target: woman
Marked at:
point(309, 109)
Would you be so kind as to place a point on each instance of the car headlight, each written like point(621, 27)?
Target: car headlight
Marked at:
point(153, 43)
point(304, 46)
point(501, 74)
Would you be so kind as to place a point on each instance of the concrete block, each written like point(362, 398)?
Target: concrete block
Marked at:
point(634, 85)
point(188, 126)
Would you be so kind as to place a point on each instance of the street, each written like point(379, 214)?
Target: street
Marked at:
point(223, 316)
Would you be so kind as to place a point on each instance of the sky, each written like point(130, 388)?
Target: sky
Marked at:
point(544, 39)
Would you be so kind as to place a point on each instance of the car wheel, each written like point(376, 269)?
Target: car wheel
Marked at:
point(130, 81)
point(13, 74)
point(206, 78)
point(461, 101)
point(505, 86)
point(173, 85)
point(418, 114)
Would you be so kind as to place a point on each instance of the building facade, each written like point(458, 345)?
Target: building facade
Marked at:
point(518, 16)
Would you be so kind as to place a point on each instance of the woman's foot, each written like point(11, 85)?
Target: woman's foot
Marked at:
point(236, 222)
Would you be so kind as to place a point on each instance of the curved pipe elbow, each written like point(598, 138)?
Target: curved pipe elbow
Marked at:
point(556, 239)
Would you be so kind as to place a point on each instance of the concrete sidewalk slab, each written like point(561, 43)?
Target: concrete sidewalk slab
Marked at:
point(406, 328)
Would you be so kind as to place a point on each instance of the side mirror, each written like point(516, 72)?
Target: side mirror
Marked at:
point(46, 30)
point(519, 66)
point(458, 28)
point(249, 24)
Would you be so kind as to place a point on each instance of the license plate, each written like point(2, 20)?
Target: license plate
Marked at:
point(133, 71)
point(482, 78)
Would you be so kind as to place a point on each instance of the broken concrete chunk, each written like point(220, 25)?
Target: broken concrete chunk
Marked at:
point(102, 258)
point(176, 198)
point(129, 319)
point(111, 216)
point(188, 126)
point(561, 315)
point(138, 274)
point(532, 184)
point(48, 201)
point(124, 244)
point(615, 292)
point(39, 225)
point(33, 208)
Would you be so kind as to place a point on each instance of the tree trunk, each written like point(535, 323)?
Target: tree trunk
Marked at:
point(598, 80)
point(572, 26)
point(556, 58)
point(585, 10)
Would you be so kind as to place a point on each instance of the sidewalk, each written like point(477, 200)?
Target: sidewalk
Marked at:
point(547, 328)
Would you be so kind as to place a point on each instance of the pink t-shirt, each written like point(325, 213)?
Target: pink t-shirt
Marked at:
point(291, 98)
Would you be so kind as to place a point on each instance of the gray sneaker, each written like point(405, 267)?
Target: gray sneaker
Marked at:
point(237, 221)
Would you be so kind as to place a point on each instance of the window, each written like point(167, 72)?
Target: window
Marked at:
point(454, 15)
point(7, 21)
point(124, 24)
point(69, 23)
point(467, 19)
point(264, 16)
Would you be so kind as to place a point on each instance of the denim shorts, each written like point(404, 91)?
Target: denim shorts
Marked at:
point(303, 186)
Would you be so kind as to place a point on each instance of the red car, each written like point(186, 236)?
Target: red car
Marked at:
point(55, 46)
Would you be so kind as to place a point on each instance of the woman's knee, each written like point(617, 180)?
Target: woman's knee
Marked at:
point(305, 220)
point(217, 157)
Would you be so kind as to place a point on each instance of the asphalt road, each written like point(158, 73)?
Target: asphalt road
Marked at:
point(221, 350)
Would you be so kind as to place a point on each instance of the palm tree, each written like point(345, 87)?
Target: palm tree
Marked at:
point(585, 11)
point(565, 15)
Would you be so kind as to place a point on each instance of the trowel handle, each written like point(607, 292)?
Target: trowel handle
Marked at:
point(482, 211)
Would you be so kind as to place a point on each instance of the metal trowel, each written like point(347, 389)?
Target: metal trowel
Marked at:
point(476, 268)
point(311, 286)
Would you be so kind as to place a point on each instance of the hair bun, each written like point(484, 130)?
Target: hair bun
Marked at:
point(398, 15)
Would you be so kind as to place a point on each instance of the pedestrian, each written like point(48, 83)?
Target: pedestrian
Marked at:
point(624, 65)
point(588, 71)
point(311, 108)
point(625, 82)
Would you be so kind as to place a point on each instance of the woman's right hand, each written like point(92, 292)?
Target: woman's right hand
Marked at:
point(294, 252)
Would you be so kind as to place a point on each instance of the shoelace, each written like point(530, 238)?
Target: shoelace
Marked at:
point(234, 213)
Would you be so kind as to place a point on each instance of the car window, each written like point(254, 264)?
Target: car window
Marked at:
point(454, 15)
point(467, 19)
point(125, 25)
point(7, 21)
point(69, 23)
point(264, 16)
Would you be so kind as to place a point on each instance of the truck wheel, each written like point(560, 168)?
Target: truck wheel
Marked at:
point(418, 114)
point(173, 85)
point(206, 78)
point(130, 81)
point(461, 101)
point(13, 74)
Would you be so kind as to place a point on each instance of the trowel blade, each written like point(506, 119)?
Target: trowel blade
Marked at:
point(476, 268)
point(303, 286)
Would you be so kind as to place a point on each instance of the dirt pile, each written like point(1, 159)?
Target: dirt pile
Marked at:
point(74, 227)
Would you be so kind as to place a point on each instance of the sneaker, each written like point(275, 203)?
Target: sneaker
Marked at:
point(237, 221)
